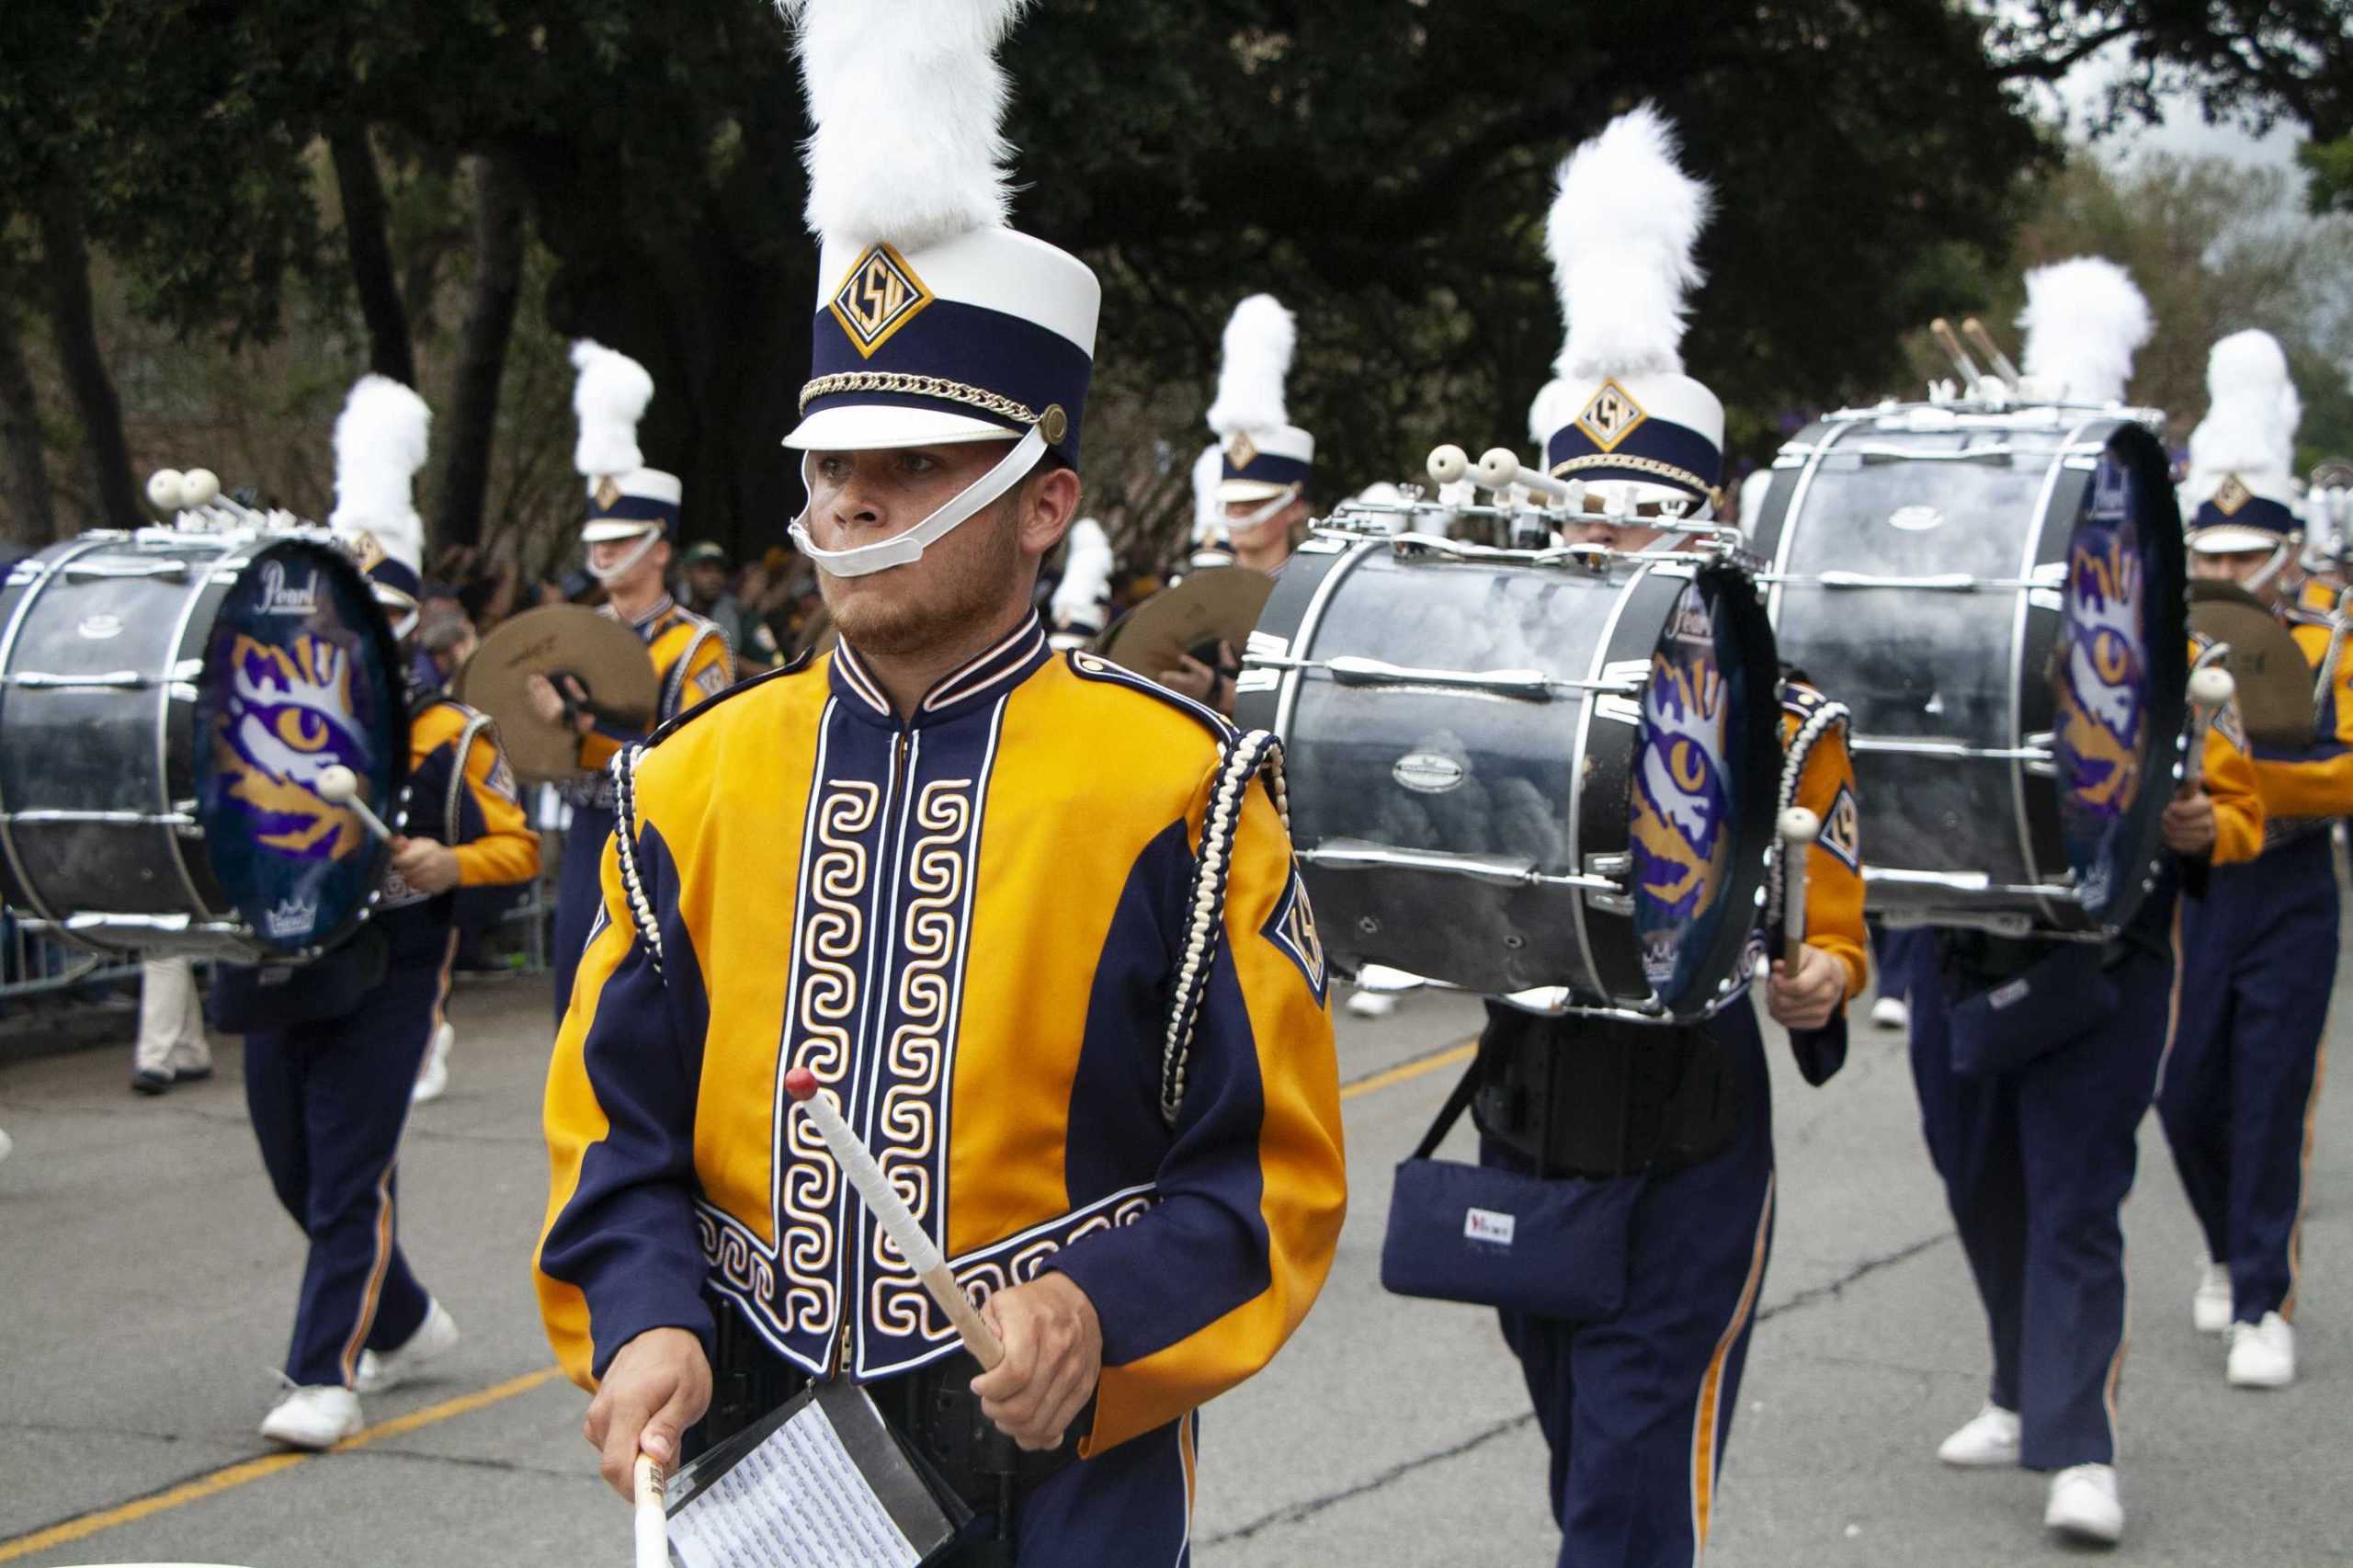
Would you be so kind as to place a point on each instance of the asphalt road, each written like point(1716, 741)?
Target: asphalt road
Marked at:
point(147, 1281)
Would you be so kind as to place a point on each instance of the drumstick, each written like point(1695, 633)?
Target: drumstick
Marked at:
point(1501, 468)
point(653, 1523)
point(1941, 330)
point(890, 1211)
point(2209, 692)
point(1974, 330)
point(1799, 828)
point(339, 786)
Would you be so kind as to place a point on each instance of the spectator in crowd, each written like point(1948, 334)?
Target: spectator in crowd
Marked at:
point(172, 1048)
point(702, 588)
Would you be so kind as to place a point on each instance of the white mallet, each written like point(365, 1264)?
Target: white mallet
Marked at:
point(890, 1211)
point(652, 1522)
point(1799, 828)
point(338, 786)
point(2211, 691)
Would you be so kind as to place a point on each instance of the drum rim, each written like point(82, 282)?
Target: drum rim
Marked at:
point(53, 562)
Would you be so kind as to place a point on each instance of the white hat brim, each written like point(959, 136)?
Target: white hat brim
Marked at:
point(1250, 490)
point(609, 531)
point(2226, 539)
point(867, 427)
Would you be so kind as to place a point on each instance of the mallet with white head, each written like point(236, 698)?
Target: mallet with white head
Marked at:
point(1798, 828)
point(339, 786)
point(2211, 691)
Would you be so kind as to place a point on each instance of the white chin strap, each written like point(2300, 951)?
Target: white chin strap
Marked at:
point(907, 549)
point(627, 563)
point(2280, 555)
point(1263, 514)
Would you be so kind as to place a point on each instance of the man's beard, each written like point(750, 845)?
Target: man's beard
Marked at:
point(902, 625)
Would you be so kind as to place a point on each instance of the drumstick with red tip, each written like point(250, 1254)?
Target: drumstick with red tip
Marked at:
point(653, 1520)
point(1799, 828)
point(340, 786)
point(890, 1211)
point(2211, 691)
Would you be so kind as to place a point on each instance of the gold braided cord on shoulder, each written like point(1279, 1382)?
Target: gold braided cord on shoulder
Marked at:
point(916, 386)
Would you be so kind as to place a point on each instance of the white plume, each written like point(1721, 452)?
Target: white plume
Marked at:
point(380, 445)
point(1621, 234)
point(1081, 597)
point(1552, 408)
point(1260, 337)
point(909, 103)
point(2084, 320)
point(610, 398)
point(1208, 512)
point(2251, 418)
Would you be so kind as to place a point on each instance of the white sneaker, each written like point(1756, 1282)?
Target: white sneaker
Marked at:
point(2084, 1505)
point(5, 1143)
point(2209, 1304)
point(317, 1415)
point(436, 1076)
point(2263, 1354)
point(389, 1369)
point(1989, 1439)
point(1371, 1003)
point(1890, 1013)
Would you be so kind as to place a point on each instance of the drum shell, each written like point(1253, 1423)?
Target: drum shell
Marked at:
point(1950, 692)
point(137, 610)
point(1431, 768)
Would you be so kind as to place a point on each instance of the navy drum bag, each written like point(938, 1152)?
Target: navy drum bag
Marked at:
point(1503, 1238)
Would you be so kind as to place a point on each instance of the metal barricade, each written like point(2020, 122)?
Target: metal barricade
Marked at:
point(32, 966)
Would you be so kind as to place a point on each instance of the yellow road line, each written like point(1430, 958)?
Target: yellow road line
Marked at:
point(1452, 1056)
point(238, 1474)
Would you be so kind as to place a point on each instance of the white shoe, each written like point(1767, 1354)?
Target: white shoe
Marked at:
point(389, 1369)
point(1990, 1438)
point(318, 1416)
point(436, 1076)
point(2209, 1304)
point(5, 1143)
point(1890, 1013)
point(2263, 1354)
point(2084, 1505)
point(1371, 1003)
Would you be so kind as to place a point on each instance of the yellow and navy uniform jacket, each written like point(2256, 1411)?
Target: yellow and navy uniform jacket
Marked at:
point(967, 924)
point(2306, 788)
point(691, 662)
point(1819, 775)
point(462, 794)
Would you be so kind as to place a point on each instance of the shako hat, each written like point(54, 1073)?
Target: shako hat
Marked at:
point(1620, 414)
point(1262, 454)
point(934, 321)
point(380, 445)
point(2241, 491)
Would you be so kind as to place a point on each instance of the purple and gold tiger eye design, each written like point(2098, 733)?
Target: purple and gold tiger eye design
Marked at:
point(1683, 798)
point(2100, 680)
point(296, 681)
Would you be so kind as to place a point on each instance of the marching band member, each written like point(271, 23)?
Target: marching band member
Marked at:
point(633, 518)
point(1081, 605)
point(2033, 1132)
point(1637, 1407)
point(863, 864)
point(333, 1052)
point(2237, 1095)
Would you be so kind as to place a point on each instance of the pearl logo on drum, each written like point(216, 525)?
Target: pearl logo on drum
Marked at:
point(1427, 772)
point(280, 597)
point(1916, 519)
point(99, 627)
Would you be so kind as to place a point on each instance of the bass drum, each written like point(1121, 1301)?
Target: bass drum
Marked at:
point(168, 702)
point(1508, 774)
point(1999, 598)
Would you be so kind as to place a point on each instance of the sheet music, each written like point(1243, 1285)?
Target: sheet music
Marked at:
point(795, 1501)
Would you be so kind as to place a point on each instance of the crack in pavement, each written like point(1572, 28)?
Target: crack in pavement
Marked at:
point(1300, 1512)
point(468, 1462)
point(71, 1429)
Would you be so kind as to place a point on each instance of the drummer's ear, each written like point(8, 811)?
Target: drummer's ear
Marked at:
point(1045, 504)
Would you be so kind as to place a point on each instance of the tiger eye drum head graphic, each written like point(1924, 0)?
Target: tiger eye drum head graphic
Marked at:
point(299, 676)
point(2118, 672)
point(1693, 772)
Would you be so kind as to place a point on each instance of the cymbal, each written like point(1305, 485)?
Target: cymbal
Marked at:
point(604, 656)
point(2275, 679)
point(1218, 604)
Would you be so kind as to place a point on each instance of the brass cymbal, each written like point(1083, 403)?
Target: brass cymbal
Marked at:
point(1218, 604)
point(604, 656)
point(2275, 679)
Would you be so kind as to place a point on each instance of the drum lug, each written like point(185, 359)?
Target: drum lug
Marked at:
point(2047, 765)
point(1617, 866)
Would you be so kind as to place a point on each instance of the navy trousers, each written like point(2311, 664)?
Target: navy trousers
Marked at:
point(1895, 952)
point(329, 1100)
point(1131, 1504)
point(1637, 1411)
point(2036, 1163)
point(579, 892)
point(2259, 960)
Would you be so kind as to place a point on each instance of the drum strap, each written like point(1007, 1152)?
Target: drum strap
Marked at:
point(1825, 717)
point(1241, 760)
point(451, 807)
point(674, 689)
